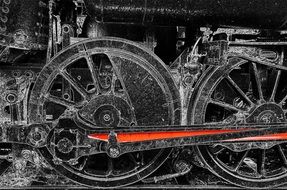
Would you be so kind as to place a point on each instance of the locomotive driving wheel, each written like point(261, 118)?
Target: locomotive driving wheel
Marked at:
point(103, 83)
point(243, 91)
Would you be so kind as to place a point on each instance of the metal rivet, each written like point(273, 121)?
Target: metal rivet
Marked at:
point(3, 29)
point(7, 2)
point(4, 19)
point(5, 10)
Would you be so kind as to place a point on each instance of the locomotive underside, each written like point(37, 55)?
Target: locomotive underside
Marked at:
point(143, 94)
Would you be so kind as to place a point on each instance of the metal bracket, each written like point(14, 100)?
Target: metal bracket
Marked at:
point(216, 53)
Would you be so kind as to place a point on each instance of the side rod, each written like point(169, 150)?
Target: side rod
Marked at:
point(129, 140)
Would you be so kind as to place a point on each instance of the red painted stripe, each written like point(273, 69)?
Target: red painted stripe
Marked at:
point(277, 136)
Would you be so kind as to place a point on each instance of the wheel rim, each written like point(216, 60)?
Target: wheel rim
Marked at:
point(128, 85)
point(239, 93)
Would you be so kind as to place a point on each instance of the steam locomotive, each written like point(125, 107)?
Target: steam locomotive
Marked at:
point(142, 93)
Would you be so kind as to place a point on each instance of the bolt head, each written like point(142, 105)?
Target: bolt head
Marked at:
point(114, 151)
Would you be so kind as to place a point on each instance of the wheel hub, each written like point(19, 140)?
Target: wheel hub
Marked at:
point(267, 117)
point(106, 111)
point(266, 113)
point(65, 145)
point(107, 115)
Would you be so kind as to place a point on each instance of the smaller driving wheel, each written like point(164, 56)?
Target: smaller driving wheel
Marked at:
point(243, 92)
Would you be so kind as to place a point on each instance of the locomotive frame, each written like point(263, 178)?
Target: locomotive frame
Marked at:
point(143, 94)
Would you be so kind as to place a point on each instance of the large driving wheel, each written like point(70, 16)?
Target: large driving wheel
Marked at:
point(107, 82)
point(243, 91)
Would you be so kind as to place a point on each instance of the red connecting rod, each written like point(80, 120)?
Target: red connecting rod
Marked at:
point(126, 137)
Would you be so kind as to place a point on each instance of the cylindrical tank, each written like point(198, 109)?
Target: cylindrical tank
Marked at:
point(269, 14)
point(24, 24)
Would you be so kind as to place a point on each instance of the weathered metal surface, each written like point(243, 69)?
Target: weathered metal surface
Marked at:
point(216, 53)
point(24, 24)
point(107, 113)
point(252, 13)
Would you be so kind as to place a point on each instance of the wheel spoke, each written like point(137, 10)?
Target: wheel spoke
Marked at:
point(275, 86)
point(239, 90)
point(93, 73)
point(284, 159)
point(217, 149)
point(225, 105)
point(283, 100)
point(83, 164)
point(59, 101)
point(261, 162)
point(75, 84)
point(132, 158)
point(4, 166)
point(241, 160)
point(110, 167)
point(66, 87)
point(118, 75)
point(114, 77)
point(257, 79)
